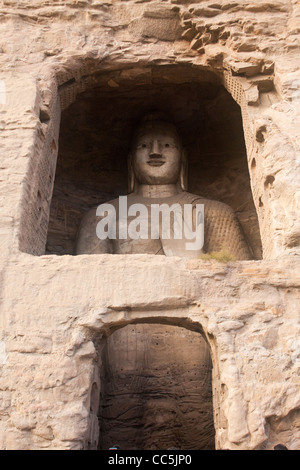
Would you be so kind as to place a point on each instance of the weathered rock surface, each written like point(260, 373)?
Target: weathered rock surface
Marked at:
point(56, 311)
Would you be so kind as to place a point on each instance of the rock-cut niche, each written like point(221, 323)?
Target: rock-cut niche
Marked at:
point(155, 396)
point(94, 143)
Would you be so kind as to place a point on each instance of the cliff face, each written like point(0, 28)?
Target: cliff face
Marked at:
point(117, 51)
point(74, 79)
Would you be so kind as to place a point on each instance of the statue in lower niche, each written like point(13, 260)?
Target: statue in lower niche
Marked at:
point(137, 223)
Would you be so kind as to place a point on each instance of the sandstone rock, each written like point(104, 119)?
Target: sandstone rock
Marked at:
point(71, 77)
point(242, 68)
point(252, 96)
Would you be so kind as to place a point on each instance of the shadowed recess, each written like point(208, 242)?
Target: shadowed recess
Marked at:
point(95, 136)
point(153, 395)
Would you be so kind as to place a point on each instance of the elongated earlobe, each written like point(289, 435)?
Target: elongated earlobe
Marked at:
point(184, 171)
point(130, 174)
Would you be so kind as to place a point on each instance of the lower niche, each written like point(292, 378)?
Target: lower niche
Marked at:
point(156, 390)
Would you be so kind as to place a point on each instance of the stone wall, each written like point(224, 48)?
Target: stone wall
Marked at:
point(56, 311)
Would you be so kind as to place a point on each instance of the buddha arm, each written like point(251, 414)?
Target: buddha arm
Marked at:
point(87, 241)
point(223, 231)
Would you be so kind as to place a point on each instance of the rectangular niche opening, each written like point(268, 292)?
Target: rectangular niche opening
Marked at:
point(156, 390)
point(94, 143)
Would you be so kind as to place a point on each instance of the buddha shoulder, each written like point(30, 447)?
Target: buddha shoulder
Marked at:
point(211, 206)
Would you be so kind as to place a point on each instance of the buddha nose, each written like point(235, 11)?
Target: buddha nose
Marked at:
point(155, 149)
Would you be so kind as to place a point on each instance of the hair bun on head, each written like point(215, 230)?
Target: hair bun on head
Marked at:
point(155, 116)
point(154, 120)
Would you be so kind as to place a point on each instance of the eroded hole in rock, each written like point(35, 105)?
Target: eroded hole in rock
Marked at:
point(44, 115)
point(156, 389)
point(269, 181)
point(95, 136)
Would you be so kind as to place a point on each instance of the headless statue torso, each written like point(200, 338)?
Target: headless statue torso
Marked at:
point(156, 167)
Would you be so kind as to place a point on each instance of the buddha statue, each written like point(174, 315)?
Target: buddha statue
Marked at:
point(157, 174)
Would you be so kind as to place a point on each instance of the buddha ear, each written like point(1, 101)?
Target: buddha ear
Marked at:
point(131, 179)
point(184, 171)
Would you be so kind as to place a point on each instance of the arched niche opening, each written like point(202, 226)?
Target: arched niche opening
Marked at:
point(95, 135)
point(156, 389)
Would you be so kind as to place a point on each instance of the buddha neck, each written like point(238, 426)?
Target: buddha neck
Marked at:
point(157, 190)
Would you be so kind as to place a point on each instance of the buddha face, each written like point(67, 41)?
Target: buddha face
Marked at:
point(156, 155)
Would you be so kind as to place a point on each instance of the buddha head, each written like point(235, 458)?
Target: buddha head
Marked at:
point(157, 156)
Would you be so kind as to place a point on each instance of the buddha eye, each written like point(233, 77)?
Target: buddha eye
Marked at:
point(167, 145)
point(144, 145)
